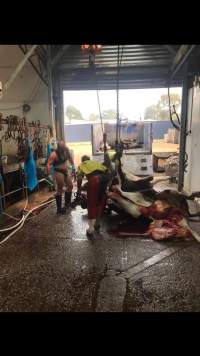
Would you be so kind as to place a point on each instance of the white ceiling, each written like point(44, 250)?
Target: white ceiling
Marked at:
point(27, 86)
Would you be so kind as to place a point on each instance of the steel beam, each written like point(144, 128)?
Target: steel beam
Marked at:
point(112, 56)
point(181, 57)
point(83, 63)
point(19, 67)
point(34, 67)
point(113, 76)
point(59, 55)
point(112, 70)
point(62, 114)
point(183, 132)
point(104, 76)
point(170, 49)
point(111, 86)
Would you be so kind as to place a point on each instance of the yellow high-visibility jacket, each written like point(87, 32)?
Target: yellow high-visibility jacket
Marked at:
point(88, 167)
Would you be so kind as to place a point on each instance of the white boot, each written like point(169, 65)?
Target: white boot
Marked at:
point(91, 229)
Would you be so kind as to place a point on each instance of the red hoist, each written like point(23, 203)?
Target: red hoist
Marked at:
point(91, 50)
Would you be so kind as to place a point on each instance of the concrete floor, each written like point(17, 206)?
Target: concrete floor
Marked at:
point(50, 266)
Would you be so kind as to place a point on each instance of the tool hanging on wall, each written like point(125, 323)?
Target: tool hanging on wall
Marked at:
point(37, 144)
point(16, 127)
point(23, 149)
point(19, 130)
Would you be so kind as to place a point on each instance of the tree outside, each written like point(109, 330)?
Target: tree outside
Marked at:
point(109, 114)
point(73, 113)
point(160, 111)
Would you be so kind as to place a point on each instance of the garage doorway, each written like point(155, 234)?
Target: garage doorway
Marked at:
point(81, 112)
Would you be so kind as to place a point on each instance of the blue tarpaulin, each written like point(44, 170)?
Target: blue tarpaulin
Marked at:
point(130, 129)
point(30, 170)
point(49, 150)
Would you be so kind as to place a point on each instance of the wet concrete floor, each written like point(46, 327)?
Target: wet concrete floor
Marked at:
point(51, 266)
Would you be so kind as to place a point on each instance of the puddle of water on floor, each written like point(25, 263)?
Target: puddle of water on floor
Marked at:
point(124, 258)
point(79, 224)
point(80, 238)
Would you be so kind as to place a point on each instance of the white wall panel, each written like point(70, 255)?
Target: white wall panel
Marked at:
point(192, 177)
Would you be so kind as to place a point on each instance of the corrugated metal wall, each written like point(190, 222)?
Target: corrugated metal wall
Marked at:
point(141, 66)
point(82, 133)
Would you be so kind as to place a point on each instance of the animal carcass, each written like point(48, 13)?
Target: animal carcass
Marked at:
point(168, 210)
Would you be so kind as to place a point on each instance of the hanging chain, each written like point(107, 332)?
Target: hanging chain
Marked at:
point(117, 92)
point(106, 159)
point(100, 112)
point(119, 61)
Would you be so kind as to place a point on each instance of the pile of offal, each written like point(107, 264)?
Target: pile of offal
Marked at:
point(158, 215)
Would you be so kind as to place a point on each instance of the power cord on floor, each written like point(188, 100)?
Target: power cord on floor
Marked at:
point(19, 221)
point(20, 224)
point(10, 216)
point(23, 211)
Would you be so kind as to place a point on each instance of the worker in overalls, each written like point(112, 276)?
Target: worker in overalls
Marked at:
point(97, 177)
point(59, 159)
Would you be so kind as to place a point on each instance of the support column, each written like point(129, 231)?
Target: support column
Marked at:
point(50, 90)
point(183, 132)
point(59, 114)
point(61, 111)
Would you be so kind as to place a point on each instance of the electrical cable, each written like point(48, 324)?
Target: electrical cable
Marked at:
point(24, 219)
point(14, 226)
point(10, 216)
point(170, 113)
point(100, 112)
point(119, 61)
point(117, 92)
point(24, 210)
point(99, 107)
point(185, 162)
point(177, 116)
point(122, 50)
point(35, 90)
point(191, 112)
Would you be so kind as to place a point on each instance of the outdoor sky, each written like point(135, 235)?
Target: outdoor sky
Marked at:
point(132, 102)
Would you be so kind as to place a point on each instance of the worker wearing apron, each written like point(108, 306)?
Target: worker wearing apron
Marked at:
point(58, 159)
point(96, 174)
